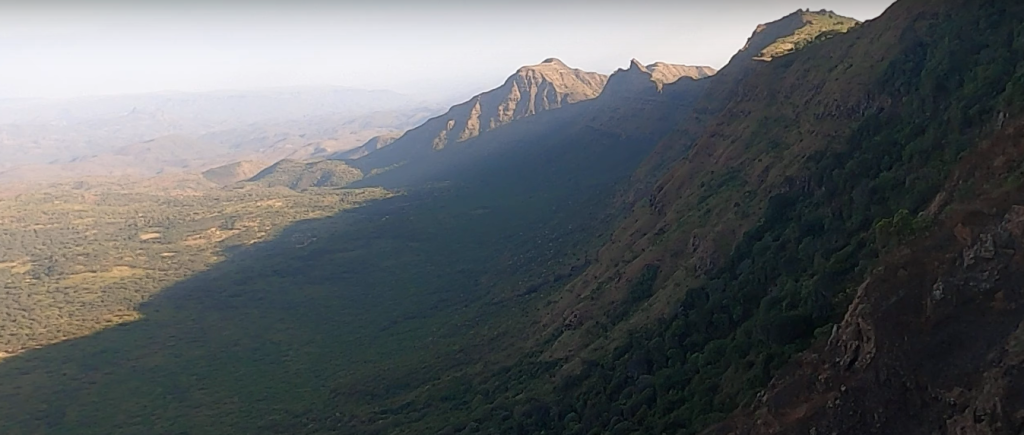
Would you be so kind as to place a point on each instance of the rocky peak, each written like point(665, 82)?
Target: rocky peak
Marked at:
point(793, 32)
point(635, 65)
point(633, 80)
point(532, 89)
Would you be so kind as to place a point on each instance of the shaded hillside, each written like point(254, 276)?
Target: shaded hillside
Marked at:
point(724, 88)
point(233, 172)
point(636, 81)
point(300, 175)
point(394, 296)
point(639, 82)
point(933, 341)
point(531, 90)
point(753, 245)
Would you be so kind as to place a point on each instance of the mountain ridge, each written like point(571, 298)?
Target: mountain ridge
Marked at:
point(530, 90)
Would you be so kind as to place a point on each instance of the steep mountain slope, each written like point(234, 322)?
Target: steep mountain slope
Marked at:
point(933, 341)
point(531, 90)
point(300, 175)
point(800, 28)
point(754, 243)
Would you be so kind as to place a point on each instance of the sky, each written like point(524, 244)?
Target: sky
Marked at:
point(58, 49)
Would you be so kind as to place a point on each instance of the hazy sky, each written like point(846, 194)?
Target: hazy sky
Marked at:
point(60, 49)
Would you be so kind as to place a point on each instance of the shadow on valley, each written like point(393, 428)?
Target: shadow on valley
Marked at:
point(338, 316)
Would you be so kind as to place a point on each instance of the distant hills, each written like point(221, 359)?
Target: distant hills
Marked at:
point(45, 140)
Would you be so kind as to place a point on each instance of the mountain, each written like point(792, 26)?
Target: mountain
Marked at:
point(531, 90)
point(301, 175)
point(548, 85)
point(818, 240)
point(818, 204)
point(233, 172)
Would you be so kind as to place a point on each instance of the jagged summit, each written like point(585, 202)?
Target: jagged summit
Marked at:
point(532, 89)
point(636, 65)
point(641, 80)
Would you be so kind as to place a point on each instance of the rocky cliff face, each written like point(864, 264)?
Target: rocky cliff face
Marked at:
point(531, 90)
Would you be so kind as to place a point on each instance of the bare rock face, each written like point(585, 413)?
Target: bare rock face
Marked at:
point(532, 89)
